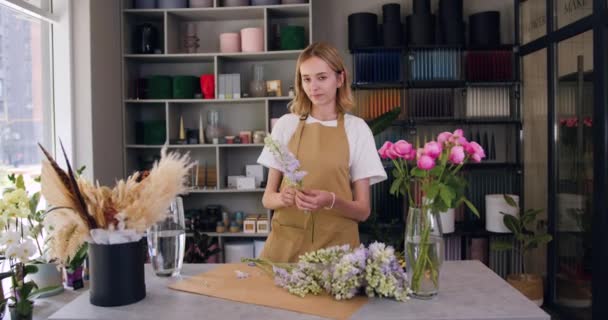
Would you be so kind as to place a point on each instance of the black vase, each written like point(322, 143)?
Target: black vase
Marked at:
point(117, 275)
point(146, 39)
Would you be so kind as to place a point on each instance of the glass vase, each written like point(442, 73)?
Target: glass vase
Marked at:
point(167, 241)
point(423, 252)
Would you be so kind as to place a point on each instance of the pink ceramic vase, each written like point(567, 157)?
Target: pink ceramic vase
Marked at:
point(230, 42)
point(252, 40)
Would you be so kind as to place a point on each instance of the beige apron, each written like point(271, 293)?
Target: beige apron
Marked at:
point(323, 152)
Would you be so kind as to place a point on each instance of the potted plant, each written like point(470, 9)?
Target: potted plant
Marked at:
point(74, 266)
point(23, 291)
point(201, 247)
point(526, 238)
point(21, 214)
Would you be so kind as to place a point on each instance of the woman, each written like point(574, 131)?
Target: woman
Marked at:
point(338, 152)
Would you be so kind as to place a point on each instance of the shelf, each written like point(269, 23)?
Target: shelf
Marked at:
point(435, 84)
point(224, 13)
point(489, 164)
point(260, 190)
point(462, 230)
point(209, 56)
point(444, 121)
point(233, 234)
point(196, 146)
point(491, 83)
point(242, 100)
point(378, 85)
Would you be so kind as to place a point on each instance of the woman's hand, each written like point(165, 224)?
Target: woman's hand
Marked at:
point(288, 196)
point(313, 199)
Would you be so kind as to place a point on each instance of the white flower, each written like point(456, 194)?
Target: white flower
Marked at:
point(27, 249)
point(13, 251)
point(9, 238)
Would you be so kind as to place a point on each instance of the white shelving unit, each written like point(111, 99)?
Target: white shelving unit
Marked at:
point(235, 115)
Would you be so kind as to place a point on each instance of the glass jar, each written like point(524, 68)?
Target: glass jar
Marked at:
point(213, 129)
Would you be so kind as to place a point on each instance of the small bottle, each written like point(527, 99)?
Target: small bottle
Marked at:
point(291, 92)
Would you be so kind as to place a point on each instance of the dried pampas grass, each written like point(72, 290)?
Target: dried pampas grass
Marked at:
point(139, 201)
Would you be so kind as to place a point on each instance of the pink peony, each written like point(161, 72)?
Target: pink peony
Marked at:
point(425, 162)
point(402, 148)
point(432, 149)
point(443, 137)
point(475, 151)
point(456, 155)
point(412, 155)
point(384, 149)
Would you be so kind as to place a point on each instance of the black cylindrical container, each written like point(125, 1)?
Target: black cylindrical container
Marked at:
point(362, 30)
point(421, 29)
point(422, 7)
point(391, 13)
point(453, 32)
point(146, 39)
point(117, 275)
point(484, 30)
point(450, 9)
point(392, 34)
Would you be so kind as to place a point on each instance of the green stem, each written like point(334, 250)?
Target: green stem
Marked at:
point(423, 261)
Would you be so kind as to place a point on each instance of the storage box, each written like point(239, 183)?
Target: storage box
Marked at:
point(257, 172)
point(262, 225)
point(222, 87)
point(236, 86)
point(232, 181)
point(228, 88)
point(249, 225)
point(245, 183)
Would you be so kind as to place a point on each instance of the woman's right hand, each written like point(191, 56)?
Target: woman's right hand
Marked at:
point(288, 197)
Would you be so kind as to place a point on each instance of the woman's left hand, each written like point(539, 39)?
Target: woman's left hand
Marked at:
point(312, 199)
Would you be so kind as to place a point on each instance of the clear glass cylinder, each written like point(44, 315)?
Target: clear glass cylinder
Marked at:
point(167, 241)
point(423, 252)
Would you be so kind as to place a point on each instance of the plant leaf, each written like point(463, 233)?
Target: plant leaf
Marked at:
point(384, 121)
point(510, 201)
point(38, 292)
point(471, 207)
point(501, 246)
point(19, 183)
point(512, 223)
point(30, 269)
point(447, 194)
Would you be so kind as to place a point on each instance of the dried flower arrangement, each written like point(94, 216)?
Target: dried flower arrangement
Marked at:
point(80, 207)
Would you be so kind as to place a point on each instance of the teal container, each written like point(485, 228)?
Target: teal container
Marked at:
point(292, 38)
point(159, 87)
point(184, 87)
point(150, 132)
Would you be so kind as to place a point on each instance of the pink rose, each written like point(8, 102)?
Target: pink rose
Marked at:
point(402, 148)
point(458, 138)
point(432, 149)
point(443, 137)
point(426, 162)
point(456, 155)
point(384, 149)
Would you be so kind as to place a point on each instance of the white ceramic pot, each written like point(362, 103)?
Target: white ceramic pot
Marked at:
point(448, 219)
point(48, 275)
point(495, 204)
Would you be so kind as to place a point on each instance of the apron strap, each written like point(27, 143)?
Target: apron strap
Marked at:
point(298, 133)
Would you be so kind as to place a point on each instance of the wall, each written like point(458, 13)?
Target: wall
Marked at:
point(330, 18)
point(97, 88)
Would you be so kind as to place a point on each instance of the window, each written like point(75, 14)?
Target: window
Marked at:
point(25, 88)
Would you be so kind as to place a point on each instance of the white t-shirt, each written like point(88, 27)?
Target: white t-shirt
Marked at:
point(364, 161)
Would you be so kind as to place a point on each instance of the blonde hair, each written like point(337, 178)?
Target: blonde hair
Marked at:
point(301, 104)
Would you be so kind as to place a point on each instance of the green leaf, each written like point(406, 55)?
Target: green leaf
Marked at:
point(384, 121)
point(544, 238)
point(395, 186)
point(417, 172)
point(30, 269)
point(19, 183)
point(501, 246)
point(80, 170)
point(27, 288)
point(512, 223)
point(447, 194)
point(432, 191)
point(38, 292)
point(510, 201)
point(34, 200)
point(471, 207)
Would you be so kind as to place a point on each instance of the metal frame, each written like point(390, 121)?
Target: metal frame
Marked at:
point(597, 22)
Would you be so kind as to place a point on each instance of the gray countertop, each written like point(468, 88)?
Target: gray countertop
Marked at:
point(468, 290)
